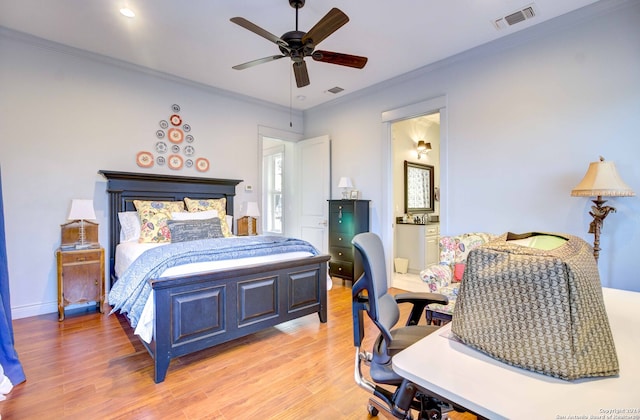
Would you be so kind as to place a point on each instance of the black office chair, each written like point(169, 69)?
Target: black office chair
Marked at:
point(370, 295)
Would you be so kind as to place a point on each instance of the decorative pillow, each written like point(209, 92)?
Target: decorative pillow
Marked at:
point(200, 215)
point(192, 230)
point(129, 226)
point(153, 219)
point(458, 271)
point(219, 204)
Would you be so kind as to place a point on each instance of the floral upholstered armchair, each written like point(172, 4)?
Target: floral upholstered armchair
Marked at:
point(445, 276)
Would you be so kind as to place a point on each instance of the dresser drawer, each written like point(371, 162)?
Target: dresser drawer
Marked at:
point(341, 269)
point(340, 239)
point(80, 257)
point(341, 253)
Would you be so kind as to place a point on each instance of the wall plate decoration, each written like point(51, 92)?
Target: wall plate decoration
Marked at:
point(176, 135)
point(175, 119)
point(174, 162)
point(202, 164)
point(174, 129)
point(144, 159)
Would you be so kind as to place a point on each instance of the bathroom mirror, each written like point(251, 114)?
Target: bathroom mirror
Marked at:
point(418, 188)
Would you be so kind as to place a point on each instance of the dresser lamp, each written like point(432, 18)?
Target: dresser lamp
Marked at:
point(601, 180)
point(346, 185)
point(82, 210)
point(247, 223)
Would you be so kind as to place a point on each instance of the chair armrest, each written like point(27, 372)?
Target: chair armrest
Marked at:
point(419, 302)
point(426, 298)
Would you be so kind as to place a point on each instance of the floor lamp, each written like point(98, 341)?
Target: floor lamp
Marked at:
point(601, 180)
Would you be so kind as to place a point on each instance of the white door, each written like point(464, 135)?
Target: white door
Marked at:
point(313, 189)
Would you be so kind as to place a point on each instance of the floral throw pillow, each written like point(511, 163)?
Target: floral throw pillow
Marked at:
point(153, 219)
point(218, 204)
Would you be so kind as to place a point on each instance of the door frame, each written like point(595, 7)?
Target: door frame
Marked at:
point(429, 106)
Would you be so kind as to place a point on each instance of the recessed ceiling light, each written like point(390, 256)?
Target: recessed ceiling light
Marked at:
point(301, 97)
point(125, 11)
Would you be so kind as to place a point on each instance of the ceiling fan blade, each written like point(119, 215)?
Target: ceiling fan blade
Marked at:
point(258, 30)
point(302, 75)
point(258, 61)
point(330, 23)
point(340, 59)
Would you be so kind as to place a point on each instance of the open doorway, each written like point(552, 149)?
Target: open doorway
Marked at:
point(295, 187)
point(416, 145)
point(394, 179)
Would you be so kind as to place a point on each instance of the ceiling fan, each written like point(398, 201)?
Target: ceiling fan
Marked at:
point(297, 44)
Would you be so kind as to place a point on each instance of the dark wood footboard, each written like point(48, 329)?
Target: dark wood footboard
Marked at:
point(197, 312)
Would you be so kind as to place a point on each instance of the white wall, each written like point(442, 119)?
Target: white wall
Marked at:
point(526, 115)
point(65, 115)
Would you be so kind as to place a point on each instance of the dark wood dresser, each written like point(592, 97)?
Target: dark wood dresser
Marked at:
point(347, 218)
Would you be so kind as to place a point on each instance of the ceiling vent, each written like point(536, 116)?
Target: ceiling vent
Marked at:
point(335, 90)
point(521, 15)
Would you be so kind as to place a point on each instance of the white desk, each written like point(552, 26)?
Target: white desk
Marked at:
point(496, 390)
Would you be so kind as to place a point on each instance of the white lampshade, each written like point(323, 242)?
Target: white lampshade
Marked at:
point(81, 210)
point(345, 182)
point(252, 209)
point(602, 179)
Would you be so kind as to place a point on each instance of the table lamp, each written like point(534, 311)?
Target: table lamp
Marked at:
point(346, 185)
point(82, 210)
point(601, 180)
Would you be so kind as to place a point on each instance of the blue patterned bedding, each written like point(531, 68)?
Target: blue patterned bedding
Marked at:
point(130, 293)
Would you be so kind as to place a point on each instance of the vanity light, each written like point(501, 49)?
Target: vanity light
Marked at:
point(125, 11)
point(423, 148)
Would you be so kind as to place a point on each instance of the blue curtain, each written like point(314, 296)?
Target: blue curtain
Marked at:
point(8, 356)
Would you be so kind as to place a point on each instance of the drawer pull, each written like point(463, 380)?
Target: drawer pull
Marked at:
point(339, 239)
point(340, 254)
point(340, 269)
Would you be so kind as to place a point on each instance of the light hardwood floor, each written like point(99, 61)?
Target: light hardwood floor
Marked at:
point(91, 365)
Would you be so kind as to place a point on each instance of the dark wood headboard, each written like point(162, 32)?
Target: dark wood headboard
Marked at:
point(124, 187)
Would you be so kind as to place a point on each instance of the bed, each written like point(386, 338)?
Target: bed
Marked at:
point(192, 312)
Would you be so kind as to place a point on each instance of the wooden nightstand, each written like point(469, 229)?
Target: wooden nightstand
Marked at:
point(80, 278)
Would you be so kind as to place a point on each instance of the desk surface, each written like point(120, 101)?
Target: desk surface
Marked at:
point(496, 390)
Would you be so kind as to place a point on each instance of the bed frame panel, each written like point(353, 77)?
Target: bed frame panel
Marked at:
point(200, 311)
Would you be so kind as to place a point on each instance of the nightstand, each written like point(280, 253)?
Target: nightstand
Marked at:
point(80, 277)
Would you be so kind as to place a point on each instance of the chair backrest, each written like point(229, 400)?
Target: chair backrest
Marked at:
point(381, 306)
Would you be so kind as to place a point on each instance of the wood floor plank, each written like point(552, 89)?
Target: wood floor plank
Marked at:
point(91, 364)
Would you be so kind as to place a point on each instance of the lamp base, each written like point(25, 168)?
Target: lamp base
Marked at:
point(598, 212)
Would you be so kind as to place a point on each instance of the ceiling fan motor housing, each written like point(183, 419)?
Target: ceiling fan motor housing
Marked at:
point(296, 4)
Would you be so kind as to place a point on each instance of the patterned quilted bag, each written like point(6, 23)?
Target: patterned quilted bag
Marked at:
point(540, 310)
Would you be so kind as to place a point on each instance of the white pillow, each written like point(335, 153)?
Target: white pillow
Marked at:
point(129, 226)
point(198, 215)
